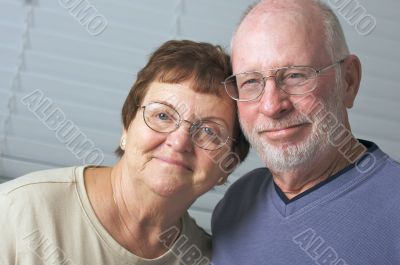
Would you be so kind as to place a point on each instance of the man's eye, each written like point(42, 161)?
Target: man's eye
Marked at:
point(296, 76)
point(249, 83)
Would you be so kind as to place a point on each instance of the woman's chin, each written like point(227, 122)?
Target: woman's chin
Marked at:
point(168, 186)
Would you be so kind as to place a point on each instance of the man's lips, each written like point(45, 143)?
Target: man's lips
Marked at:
point(283, 128)
point(175, 162)
point(284, 132)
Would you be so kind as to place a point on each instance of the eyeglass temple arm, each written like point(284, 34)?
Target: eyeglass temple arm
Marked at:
point(332, 65)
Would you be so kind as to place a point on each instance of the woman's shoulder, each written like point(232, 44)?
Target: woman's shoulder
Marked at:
point(31, 199)
point(40, 184)
point(200, 240)
point(191, 227)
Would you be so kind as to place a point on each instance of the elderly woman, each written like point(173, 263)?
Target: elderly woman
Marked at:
point(181, 137)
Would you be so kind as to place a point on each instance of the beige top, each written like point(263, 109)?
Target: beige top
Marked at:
point(46, 218)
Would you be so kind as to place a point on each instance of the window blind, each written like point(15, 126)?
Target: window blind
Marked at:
point(81, 58)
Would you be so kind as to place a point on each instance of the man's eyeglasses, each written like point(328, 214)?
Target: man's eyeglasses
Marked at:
point(294, 80)
point(162, 118)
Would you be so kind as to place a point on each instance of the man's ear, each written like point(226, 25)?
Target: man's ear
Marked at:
point(351, 77)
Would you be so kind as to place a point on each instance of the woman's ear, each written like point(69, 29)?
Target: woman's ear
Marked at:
point(122, 142)
point(222, 180)
point(351, 77)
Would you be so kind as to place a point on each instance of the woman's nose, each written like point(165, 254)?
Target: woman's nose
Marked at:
point(181, 140)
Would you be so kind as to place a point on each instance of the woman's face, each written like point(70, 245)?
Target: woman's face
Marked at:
point(170, 164)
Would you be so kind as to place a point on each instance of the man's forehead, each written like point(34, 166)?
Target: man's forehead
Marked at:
point(274, 13)
point(280, 38)
point(271, 19)
point(301, 6)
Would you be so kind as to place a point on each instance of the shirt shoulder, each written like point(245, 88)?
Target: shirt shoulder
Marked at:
point(198, 236)
point(192, 242)
point(385, 177)
point(242, 195)
point(248, 185)
point(38, 201)
point(41, 190)
point(38, 179)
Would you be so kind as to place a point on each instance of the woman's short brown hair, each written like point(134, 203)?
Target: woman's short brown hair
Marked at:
point(176, 61)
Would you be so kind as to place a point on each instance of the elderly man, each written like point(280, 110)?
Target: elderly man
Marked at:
point(325, 197)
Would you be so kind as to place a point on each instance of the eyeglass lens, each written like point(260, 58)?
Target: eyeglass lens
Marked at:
point(162, 118)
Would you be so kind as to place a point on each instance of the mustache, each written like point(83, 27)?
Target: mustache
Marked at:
point(266, 125)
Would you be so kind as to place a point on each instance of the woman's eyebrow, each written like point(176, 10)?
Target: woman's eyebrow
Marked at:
point(164, 102)
point(216, 119)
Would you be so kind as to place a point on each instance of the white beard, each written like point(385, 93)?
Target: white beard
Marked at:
point(284, 157)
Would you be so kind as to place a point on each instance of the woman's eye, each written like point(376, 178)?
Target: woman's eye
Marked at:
point(208, 131)
point(163, 116)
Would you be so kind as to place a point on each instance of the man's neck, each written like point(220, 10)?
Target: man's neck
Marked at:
point(294, 182)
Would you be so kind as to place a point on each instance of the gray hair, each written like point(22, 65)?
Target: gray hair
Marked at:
point(335, 41)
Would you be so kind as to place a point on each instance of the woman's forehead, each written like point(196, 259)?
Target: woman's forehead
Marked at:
point(182, 94)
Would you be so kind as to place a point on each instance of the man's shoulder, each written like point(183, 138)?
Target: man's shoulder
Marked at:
point(243, 194)
point(387, 176)
point(250, 181)
point(380, 170)
point(392, 167)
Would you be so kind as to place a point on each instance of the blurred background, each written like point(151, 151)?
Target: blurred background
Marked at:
point(79, 58)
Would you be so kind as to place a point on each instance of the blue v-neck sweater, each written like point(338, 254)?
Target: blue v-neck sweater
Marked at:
point(351, 218)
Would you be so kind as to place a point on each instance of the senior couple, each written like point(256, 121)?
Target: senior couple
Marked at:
point(324, 197)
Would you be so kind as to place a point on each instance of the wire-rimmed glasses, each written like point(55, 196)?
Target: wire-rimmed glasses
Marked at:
point(294, 80)
point(206, 134)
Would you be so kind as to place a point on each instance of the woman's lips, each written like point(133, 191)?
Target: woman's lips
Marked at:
point(175, 162)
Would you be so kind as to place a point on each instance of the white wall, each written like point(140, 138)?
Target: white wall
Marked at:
point(43, 47)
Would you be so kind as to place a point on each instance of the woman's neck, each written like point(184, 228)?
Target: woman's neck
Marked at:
point(135, 221)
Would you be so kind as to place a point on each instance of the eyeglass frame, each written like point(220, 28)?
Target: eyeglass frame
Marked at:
point(179, 124)
point(265, 78)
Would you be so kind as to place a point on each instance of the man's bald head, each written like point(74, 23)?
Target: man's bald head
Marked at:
point(313, 13)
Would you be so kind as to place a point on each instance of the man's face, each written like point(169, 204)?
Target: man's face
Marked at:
point(277, 124)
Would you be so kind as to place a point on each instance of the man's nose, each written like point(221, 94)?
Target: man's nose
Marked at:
point(274, 102)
